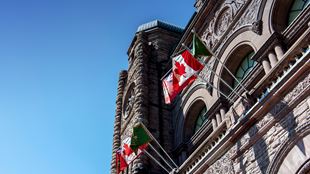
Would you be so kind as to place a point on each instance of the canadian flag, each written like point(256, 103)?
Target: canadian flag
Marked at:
point(125, 155)
point(184, 72)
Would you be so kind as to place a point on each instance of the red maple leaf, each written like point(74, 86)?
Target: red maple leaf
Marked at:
point(180, 69)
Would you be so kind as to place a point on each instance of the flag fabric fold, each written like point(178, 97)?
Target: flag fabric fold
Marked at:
point(169, 92)
point(139, 137)
point(199, 49)
point(184, 72)
point(125, 155)
point(121, 163)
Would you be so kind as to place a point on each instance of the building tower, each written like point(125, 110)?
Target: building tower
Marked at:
point(140, 96)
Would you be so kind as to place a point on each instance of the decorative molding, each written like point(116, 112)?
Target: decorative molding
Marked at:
point(257, 27)
point(222, 21)
point(245, 18)
point(118, 119)
point(305, 168)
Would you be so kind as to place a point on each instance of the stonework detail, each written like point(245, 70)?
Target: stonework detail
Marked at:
point(118, 115)
point(223, 165)
point(248, 18)
point(223, 18)
point(302, 85)
point(260, 155)
point(257, 27)
point(229, 19)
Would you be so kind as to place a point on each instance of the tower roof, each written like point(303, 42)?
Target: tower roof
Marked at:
point(161, 24)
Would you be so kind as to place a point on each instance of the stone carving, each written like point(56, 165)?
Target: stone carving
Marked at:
point(223, 165)
point(221, 21)
point(250, 15)
point(257, 27)
point(248, 18)
point(298, 89)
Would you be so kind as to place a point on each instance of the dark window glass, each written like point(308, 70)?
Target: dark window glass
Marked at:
point(201, 119)
point(244, 68)
point(297, 7)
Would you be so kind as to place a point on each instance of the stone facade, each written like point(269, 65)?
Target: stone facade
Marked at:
point(266, 130)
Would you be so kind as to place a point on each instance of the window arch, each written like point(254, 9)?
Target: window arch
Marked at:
point(239, 57)
point(296, 8)
point(285, 13)
point(244, 68)
point(194, 119)
point(201, 119)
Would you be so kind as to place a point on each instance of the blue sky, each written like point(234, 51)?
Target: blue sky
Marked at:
point(59, 65)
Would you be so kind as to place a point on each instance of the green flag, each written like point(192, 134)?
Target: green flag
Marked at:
point(139, 137)
point(199, 49)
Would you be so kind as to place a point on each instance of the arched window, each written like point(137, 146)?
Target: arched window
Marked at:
point(296, 8)
point(201, 119)
point(244, 68)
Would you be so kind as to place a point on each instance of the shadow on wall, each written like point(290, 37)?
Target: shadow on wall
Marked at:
point(261, 146)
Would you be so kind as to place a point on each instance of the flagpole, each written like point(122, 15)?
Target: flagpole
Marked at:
point(160, 155)
point(228, 98)
point(149, 155)
point(193, 31)
point(149, 133)
point(209, 68)
point(232, 90)
point(166, 74)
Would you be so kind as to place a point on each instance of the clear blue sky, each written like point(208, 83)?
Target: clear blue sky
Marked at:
point(59, 65)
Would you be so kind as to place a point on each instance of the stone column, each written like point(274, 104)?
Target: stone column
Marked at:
point(233, 119)
point(141, 102)
point(279, 51)
point(273, 59)
point(223, 112)
point(118, 118)
point(218, 118)
point(266, 65)
point(214, 124)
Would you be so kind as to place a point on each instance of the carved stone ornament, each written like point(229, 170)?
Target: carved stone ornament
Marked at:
point(257, 27)
point(223, 165)
point(221, 21)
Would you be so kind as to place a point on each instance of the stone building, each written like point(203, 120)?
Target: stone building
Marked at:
point(266, 44)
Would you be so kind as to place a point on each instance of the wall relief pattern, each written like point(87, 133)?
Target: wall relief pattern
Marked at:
point(302, 85)
point(230, 17)
point(224, 165)
point(247, 18)
point(223, 18)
